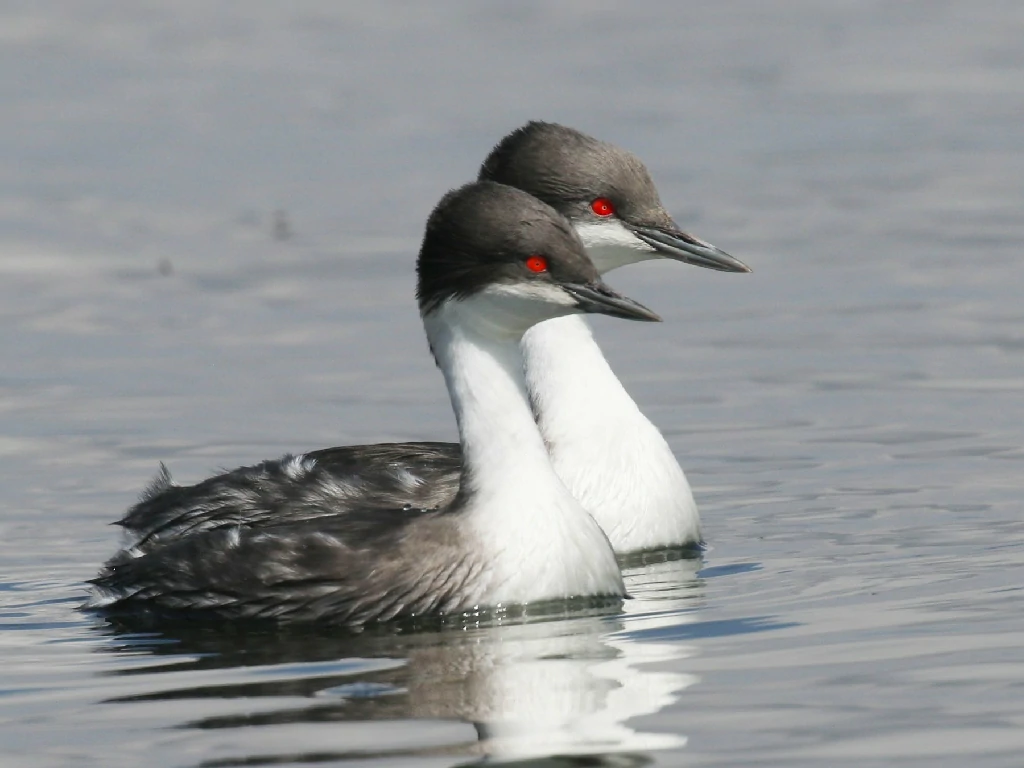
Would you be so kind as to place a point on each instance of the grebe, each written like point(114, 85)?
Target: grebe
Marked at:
point(494, 261)
point(611, 457)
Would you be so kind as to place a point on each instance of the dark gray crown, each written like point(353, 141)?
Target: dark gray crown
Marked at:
point(568, 169)
point(483, 233)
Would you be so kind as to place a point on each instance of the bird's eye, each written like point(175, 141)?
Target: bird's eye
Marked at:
point(537, 264)
point(602, 206)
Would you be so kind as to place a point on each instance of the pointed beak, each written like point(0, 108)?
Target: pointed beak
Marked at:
point(676, 244)
point(598, 298)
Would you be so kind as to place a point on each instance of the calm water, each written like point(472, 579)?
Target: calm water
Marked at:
point(208, 217)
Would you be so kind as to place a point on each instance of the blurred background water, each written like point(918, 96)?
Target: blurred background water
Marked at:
point(208, 219)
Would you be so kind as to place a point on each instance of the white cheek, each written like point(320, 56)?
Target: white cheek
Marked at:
point(610, 245)
point(510, 310)
point(548, 295)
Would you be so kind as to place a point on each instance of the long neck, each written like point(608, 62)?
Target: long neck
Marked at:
point(537, 542)
point(483, 368)
point(608, 454)
point(572, 386)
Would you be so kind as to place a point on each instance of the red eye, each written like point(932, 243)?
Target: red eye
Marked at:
point(537, 264)
point(602, 207)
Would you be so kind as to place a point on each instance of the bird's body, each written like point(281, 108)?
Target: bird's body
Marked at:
point(286, 541)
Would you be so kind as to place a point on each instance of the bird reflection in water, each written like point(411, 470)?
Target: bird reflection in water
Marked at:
point(558, 684)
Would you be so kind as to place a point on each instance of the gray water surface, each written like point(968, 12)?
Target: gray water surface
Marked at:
point(208, 219)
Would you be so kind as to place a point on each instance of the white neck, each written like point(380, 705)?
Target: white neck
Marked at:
point(537, 541)
point(611, 457)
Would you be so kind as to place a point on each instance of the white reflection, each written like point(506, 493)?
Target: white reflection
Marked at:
point(567, 687)
point(558, 686)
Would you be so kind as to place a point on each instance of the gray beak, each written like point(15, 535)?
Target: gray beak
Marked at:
point(676, 244)
point(598, 298)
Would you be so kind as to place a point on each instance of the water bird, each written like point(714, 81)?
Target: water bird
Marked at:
point(613, 459)
point(494, 261)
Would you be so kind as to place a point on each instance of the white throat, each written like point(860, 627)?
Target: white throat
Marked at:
point(610, 245)
point(537, 540)
point(611, 457)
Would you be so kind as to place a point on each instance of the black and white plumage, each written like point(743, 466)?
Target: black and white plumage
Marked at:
point(288, 541)
point(612, 458)
point(572, 171)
